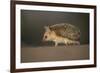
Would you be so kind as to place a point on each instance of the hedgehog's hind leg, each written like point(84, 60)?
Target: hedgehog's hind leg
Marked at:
point(69, 43)
point(76, 43)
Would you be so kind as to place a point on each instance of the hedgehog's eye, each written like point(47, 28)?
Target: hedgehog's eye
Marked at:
point(45, 37)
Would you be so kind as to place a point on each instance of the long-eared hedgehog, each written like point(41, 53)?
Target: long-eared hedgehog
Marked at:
point(62, 33)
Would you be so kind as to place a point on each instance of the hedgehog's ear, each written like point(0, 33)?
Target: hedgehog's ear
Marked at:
point(47, 28)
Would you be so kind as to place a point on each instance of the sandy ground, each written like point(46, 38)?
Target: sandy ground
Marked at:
point(59, 53)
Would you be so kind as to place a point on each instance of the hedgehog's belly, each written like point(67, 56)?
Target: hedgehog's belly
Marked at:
point(65, 41)
point(61, 40)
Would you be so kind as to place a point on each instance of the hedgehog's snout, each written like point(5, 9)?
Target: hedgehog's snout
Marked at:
point(45, 37)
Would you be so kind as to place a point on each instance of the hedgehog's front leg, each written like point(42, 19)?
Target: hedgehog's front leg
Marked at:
point(66, 42)
point(56, 44)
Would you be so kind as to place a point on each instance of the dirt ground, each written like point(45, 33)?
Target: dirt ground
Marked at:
point(51, 53)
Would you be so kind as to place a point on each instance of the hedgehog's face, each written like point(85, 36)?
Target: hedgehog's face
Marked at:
point(48, 35)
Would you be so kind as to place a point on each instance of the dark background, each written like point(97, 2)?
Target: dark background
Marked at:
point(33, 22)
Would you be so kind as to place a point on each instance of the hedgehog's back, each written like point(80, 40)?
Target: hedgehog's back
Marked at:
point(66, 30)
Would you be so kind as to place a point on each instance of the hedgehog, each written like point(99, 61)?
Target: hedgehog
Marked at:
point(63, 33)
